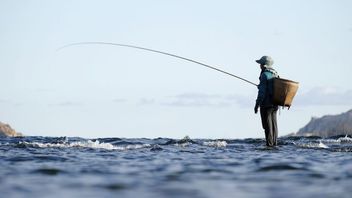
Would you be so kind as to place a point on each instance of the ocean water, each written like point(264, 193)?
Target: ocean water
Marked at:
point(162, 167)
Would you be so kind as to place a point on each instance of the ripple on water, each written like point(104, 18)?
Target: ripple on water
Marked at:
point(48, 171)
point(280, 167)
point(114, 186)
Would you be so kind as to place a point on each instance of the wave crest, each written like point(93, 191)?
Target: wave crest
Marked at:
point(217, 143)
point(84, 144)
point(312, 145)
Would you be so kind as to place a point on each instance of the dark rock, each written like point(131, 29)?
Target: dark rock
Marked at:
point(329, 125)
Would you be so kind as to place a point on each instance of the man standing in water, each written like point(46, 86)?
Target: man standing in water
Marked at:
point(264, 100)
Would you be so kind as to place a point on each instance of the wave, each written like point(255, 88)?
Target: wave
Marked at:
point(158, 144)
point(217, 143)
point(345, 140)
point(48, 171)
point(280, 167)
point(84, 144)
point(311, 145)
point(185, 144)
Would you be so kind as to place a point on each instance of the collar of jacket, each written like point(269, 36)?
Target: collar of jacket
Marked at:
point(270, 69)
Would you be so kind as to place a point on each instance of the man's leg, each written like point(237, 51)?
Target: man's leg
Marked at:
point(274, 125)
point(266, 117)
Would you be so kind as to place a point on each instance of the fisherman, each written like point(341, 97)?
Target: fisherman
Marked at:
point(264, 101)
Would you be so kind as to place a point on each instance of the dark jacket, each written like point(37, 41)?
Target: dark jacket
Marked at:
point(265, 87)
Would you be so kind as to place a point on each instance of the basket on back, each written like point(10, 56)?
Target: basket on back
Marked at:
point(284, 91)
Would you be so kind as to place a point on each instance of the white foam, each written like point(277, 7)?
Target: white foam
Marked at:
point(183, 144)
point(345, 139)
point(312, 145)
point(322, 145)
point(95, 144)
point(86, 144)
point(137, 146)
point(331, 141)
point(217, 143)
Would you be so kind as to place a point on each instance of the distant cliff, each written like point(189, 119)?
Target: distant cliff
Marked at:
point(329, 125)
point(7, 131)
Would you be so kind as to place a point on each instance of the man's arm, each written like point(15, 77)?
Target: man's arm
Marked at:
point(261, 92)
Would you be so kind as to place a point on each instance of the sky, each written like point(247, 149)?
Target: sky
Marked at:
point(107, 91)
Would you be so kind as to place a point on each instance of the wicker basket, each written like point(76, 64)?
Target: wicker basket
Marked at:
point(284, 91)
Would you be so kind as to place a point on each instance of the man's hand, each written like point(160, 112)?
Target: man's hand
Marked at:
point(256, 108)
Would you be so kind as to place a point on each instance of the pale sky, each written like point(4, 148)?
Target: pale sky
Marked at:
point(107, 91)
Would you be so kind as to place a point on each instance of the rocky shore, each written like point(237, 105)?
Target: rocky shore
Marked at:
point(7, 131)
point(327, 126)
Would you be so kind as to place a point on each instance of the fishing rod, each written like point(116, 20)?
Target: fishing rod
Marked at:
point(156, 51)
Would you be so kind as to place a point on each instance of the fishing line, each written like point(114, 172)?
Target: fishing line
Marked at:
point(157, 51)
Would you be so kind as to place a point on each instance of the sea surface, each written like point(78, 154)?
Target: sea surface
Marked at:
point(162, 167)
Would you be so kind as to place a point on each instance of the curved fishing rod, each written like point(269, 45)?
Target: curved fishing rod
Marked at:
point(156, 51)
